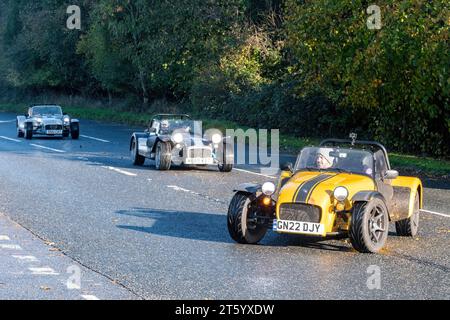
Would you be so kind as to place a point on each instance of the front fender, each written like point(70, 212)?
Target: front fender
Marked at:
point(21, 120)
point(365, 196)
point(249, 188)
point(74, 121)
point(415, 188)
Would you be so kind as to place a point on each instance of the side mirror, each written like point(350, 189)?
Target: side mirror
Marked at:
point(287, 167)
point(391, 175)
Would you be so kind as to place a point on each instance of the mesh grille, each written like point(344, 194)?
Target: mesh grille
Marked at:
point(300, 212)
point(200, 153)
point(53, 127)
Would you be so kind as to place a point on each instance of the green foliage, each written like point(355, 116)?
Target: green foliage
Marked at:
point(397, 76)
point(310, 68)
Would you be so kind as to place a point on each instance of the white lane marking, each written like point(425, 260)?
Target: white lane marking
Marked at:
point(43, 271)
point(8, 121)
point(130, 174)
point(4, 238)
point(436, 213)
point(256, 173)
point(10, 247)
point(10, 139)
point(177, 188)
point(96, 139)
point(47, 148)
point(89, 297)
point(26, 258)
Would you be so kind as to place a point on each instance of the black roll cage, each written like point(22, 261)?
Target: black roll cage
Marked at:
point(372, 144)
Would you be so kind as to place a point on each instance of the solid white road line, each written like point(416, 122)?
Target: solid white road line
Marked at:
point(96, 139)
point(10, 247)
point(43, 272)
point(436, 213)
point(26, 258)
point(47, 148)
point(4, 238)
point(89, 297)
point(255, 173)
point(10, 139)
point(8, 121)
point(130, 174)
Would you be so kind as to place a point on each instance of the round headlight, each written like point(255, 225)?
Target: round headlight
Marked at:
point(341, 194)
point(268, 188)
point(177, 138)
point(216, 138)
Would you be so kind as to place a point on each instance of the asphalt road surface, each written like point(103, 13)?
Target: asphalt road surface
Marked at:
point(138, 233)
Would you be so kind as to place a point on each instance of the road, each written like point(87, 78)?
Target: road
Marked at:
point(163, 235)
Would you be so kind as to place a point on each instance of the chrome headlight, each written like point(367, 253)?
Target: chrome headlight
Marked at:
point(216, 138)
point(340, 194)
point(268, 188)
point(66, 120)
point(177, 138)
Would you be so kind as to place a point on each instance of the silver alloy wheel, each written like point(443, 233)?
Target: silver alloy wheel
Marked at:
point(377, 224)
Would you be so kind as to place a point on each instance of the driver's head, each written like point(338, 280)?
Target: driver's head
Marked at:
point(323, 160)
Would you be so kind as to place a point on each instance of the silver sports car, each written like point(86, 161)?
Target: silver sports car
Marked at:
point(177, 139)
point(47, 120)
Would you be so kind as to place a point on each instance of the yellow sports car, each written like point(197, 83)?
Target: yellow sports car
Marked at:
point(341, 188)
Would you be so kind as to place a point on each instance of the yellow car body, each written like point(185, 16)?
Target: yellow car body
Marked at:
point(316, 189)
point(332, 190)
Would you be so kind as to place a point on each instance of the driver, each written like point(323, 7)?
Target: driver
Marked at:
point(323, 160)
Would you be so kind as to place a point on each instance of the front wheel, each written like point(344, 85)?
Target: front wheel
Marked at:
point(28, 131)
point(75, 130)
point(410, 227)
point(369, 226)
point(163, 159)
point(225, 167)
point(242, 228)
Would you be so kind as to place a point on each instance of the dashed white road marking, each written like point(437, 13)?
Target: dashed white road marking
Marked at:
point(96, 139)
point(10, 247)
point(26, 258)
point(436, 213)
point(130, 174)
point(43, 271)
point(4, 238)
point(89, 297)
point(177, 188)
point(47, 148)
point(10, 139)
point(255, 173)
point(8, 121)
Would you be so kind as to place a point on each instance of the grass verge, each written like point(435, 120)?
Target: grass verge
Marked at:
point(406, 163)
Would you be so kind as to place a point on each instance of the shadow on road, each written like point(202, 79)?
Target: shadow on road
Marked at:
point(213, 227)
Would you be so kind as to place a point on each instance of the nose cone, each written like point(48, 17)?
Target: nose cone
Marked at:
point(317, 188)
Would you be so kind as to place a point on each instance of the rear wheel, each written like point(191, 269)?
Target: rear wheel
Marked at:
point(136, 158)
point(410, 227)
point(20, 133)
point(369, 226)
point(241, 227)
point(163, 159)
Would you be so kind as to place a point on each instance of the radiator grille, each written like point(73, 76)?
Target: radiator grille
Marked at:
point(300, 212)
point(200, 153)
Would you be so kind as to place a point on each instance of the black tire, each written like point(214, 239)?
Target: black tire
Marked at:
point(136, 158)
point(369, 226)
point(163, 158)
point(225, 167)
point(28, 131)
point(75, 131)
point(239, 228)
point(20, 133)
point(410, 227)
